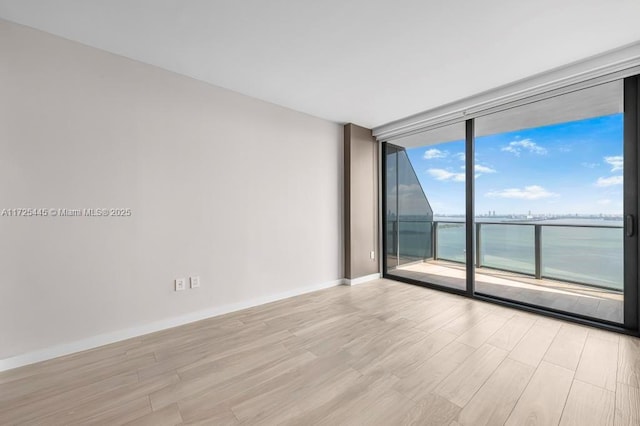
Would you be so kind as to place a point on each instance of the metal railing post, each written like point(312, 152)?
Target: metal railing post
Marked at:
point(434, 240)
point(478, 261)
point(538, 250)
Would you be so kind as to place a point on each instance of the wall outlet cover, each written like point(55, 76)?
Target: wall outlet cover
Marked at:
point(181, 284)
point(195, 282)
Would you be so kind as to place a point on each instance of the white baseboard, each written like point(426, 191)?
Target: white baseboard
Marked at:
point(360, 280)
point(117, 336)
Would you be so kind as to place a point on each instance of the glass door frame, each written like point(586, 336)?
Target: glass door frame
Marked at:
point(631, 210)
point(631, 201)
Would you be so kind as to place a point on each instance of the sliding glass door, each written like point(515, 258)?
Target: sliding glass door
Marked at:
point(549, 218)
point(425, 209)
point(550, 222)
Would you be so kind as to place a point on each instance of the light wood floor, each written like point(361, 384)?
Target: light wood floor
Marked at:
point(381, 353)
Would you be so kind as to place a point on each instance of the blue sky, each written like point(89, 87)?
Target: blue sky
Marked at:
point(573, 167)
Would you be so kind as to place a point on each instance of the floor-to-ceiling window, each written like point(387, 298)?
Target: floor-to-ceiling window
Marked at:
point(555, 196)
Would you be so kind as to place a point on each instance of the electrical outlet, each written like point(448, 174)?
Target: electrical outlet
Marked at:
point(195, 282)
point(181, 284)
point(373, 255)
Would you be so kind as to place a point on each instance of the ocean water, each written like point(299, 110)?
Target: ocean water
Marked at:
point(589, 254)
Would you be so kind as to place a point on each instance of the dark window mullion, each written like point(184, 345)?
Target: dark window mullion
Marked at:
point(469, 194)
point(631, 199)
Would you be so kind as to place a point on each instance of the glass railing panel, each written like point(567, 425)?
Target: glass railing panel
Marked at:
point(508, 247)
point(415, 240)
point(586, 255)
point(392, 244)
point(451, 241)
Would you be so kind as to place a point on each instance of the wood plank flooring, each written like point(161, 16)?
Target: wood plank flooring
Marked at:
point(380, 353)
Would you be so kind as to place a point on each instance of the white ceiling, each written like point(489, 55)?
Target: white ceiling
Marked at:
point(363, 61)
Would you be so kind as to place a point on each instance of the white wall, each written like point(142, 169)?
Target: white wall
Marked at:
point(243, 193)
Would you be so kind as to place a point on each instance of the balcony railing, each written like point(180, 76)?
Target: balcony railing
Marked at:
point(585, 254)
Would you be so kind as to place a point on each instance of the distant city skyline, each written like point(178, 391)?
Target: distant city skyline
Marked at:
point(568, 168)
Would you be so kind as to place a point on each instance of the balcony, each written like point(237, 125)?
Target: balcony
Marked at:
point(569, 267)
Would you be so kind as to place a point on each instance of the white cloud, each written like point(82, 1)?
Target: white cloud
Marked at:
point(483, 169)
point(616, 162)
point(441, 174)
point(532, 192)
point(511, 149)
point(460, 156)
point(434, 153)
point(604, 202)
point(609, 181)
point(479, 169)
point(516, 147)
point(589, 165)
